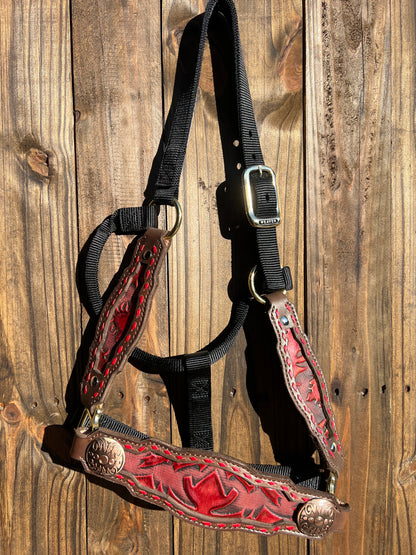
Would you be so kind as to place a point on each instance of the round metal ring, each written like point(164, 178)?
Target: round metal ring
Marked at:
point(252, 287)
point(171, 233)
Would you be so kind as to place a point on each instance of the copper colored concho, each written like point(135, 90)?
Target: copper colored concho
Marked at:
point(316, 517)
point(105, 456)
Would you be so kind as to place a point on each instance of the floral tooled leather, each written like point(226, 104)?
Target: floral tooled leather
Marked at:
point(208, 489)
point(123, 316)
point(304, 378)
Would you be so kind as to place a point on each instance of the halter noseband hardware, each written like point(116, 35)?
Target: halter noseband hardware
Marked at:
point(193, 482)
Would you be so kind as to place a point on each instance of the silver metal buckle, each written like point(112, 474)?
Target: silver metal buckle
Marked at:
point(254, 220)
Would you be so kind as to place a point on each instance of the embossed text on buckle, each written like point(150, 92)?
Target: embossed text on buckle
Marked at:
point(254, 220)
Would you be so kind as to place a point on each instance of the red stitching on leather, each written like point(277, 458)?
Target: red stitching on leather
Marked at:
point(167, 452)
point(113, 361)
point(168, 504)
point(276, 529)
point(128, 446)
point(290, 527)
point(155, 447)
point(95, 394)
point(236, 525)
point(207, 523)
point(101, 384)
point(221, 525)
point(263, 530)
point(142, 448)
point(193, 458)
point(154, 249)
point(107, 370)
point(128, 337)
point(119, 349)
point(85, 390)
point(208, 460)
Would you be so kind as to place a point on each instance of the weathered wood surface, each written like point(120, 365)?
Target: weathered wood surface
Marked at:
point(83, 97)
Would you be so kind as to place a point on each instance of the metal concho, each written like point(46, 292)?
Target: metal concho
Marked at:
point(316, 517)
point(105, 456)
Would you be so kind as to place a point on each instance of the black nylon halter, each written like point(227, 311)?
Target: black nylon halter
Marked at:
point(237, 127)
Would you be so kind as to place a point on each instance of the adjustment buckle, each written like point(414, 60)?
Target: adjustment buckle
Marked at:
point(93, 419)
point(253, 219)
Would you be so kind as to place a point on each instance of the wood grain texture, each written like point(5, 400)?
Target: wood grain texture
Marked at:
point(118, 102)
point(403, 209)
point(349, 245)
point(41, 503)
point(348, 234)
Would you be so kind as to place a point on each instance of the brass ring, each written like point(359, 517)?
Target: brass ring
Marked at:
point(171, 233)
point(252, 287)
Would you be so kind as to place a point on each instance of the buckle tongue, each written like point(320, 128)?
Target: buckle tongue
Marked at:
point(253, 219)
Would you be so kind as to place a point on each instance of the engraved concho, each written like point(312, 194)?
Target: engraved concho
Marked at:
point(316, 517)
point(105, 456)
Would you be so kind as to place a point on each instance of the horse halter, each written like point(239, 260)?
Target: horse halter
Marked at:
point(193, 482)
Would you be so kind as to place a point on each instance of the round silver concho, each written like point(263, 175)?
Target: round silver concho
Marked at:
point(316, 517)
point(105, 456)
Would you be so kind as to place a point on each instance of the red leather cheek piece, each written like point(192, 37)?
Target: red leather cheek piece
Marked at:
point(304, 378)
point(306, 383)
point(123, 317)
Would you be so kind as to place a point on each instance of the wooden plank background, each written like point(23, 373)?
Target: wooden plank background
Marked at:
point(84, 89)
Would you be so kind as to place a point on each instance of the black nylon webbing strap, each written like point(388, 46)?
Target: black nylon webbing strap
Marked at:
point(124, 221)
point(165, 175)
point(198, 385)
point(220, 22)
